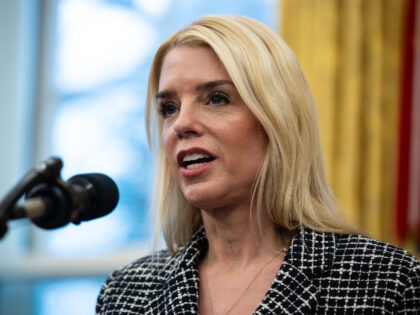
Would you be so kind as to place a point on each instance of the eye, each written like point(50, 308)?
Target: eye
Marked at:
point(218, 98)
point(167, 109)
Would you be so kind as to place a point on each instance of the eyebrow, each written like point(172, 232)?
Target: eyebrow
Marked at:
point(165, 94)
point(212, 84)
point(200, 87)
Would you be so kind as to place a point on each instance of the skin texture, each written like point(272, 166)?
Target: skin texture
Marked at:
point(204, 113)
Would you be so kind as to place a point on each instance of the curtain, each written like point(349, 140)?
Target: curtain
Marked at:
point(352, 54)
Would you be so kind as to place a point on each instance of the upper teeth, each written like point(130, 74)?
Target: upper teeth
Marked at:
point(194, 156)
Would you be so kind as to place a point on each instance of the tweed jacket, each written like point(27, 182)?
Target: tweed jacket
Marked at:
point(322, 273)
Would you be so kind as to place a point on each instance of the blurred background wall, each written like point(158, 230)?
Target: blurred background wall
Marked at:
point(72, 84)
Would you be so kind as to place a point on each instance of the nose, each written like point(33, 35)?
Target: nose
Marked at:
point(188, 123)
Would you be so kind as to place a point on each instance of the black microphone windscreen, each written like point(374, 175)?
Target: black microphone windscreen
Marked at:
point(103, 194)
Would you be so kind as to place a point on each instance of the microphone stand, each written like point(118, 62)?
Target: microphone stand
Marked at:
point(45, 172)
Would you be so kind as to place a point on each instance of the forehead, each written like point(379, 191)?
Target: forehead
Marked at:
point(184, 64)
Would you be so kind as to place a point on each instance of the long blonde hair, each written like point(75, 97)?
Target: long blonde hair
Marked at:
point(291, 183)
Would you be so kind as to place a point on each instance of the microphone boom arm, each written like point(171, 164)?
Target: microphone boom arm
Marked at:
point(46, 171)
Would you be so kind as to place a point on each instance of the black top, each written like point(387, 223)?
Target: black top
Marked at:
point(322, 273)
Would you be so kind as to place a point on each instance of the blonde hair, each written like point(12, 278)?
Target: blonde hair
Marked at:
point(291, 184)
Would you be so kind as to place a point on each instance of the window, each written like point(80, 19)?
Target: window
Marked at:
point(94, 61)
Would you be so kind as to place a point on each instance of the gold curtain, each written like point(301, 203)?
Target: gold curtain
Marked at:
point(350, 52)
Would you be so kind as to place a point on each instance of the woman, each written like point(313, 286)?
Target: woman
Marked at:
point(244, 206)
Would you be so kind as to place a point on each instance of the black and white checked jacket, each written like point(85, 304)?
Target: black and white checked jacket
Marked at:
point(322, 273)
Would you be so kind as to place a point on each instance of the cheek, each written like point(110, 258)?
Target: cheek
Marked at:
point(251, 146)
point(249, 136)
point(166, 140)
point(169, 147)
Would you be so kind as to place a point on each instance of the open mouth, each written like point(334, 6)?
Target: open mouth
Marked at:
point(194, 160)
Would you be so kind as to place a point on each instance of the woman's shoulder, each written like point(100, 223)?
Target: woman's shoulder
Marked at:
point(371, 274)
point(138, 285)
point(362, 249)
point(371, 260)
point(130, 285)
point(150, 266)
point(357, 254)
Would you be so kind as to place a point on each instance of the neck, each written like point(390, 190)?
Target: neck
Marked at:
point(235, 239)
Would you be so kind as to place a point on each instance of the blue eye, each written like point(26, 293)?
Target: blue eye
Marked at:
point(167, 110)
point(218, 98)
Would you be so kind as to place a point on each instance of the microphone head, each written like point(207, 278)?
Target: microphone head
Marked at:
point(102, 195)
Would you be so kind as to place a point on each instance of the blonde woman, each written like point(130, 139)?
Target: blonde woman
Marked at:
point(243, 203)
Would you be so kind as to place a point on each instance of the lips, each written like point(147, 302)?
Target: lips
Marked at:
point(194, 158)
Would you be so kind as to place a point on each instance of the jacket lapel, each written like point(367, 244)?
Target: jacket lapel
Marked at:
point(292, 291)
point(180, 288)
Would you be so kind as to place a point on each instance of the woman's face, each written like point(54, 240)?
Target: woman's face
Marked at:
point(213, 143)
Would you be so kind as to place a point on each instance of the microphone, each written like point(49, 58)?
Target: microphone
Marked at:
point(54, 204)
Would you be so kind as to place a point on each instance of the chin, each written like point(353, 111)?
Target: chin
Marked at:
point(202, 203)
point(212, 200)
point(202, 199)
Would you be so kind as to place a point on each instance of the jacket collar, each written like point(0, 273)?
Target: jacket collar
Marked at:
point(292, 291)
